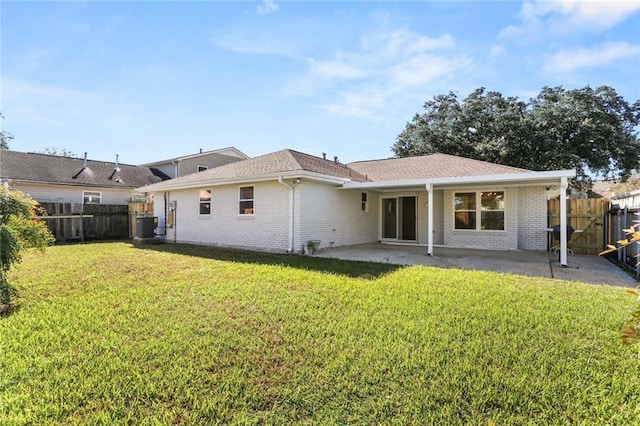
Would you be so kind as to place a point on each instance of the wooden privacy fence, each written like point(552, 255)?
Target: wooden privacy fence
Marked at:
point(136, 210)
point(81, 222)
point(621, 219)
point(589, 217)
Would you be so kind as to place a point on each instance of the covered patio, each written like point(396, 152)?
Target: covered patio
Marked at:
point(485, 223)
point(590, 269)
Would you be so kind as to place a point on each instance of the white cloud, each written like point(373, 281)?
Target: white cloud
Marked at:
point(21, 89)
point(602, 14)
point(497, 50)
point(568, 60)
point(240, 42)
point(422, 70)
point(334, 69)
point(386, 68)
point(357, 104)
point(267, 6)
point(403, 41)
point(567, 16)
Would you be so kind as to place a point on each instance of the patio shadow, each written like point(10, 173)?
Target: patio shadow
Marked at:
point(350, 268)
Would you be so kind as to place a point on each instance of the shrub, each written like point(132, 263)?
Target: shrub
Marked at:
point(20, 229)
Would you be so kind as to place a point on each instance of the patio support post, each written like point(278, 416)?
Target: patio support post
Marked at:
point(563, 221)
point(429, 188)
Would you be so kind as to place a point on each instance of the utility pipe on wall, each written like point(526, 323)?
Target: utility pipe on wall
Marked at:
point(291, 211)
point(429, 188)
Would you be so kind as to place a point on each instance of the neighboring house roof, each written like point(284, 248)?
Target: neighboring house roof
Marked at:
point(429, 167)
point(270, 166)
point(51, 169)
point(229, 151)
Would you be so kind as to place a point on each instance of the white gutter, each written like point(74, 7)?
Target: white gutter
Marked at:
point(466, 180)
point(291, 212)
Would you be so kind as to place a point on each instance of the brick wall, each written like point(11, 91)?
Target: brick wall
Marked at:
point(266, 229)
point(532, 218)
point(334, 216)
point(321, 212)
point(499, 240)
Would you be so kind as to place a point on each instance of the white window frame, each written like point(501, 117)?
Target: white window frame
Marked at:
point(478, 209)
point(364, 202)
point(84, 197)
point(246, 200)
point(200, 168)
point(201, 202)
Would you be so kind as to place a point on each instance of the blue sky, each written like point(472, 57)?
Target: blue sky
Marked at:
point(153, 80)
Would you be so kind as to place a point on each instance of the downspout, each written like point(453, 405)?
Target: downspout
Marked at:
point(291, 212)
point(429, 188)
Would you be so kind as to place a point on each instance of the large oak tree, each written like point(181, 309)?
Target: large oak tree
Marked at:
point(594, 131)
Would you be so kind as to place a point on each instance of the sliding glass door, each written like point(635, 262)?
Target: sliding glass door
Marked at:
point(399, 218)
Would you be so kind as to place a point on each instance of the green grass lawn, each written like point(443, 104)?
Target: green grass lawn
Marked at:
point(109, 333)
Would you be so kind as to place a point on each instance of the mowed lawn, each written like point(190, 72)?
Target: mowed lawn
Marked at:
point(110, 334)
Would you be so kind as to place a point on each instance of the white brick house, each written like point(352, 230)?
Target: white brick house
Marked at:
point(282, 200)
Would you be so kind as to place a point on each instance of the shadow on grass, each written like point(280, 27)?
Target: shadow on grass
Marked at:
point(350, 268)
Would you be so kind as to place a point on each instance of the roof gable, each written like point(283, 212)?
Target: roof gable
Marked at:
point(45, 168)
point(228, 152)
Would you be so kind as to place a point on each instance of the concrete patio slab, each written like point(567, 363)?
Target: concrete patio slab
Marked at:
point(590, 269)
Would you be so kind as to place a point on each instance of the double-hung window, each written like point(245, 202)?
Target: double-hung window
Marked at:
point(204, 208)
point(246, 200)
point(479, 210)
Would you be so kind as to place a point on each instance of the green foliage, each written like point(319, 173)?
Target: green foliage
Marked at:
point(5, 137)
point(19, 230)
point(52, 150)
point(111, 334)
point(593, 131)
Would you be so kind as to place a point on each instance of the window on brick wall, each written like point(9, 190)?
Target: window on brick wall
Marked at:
point(246, 200)
point(364, 202)
point(205, 202)
point(479, 210)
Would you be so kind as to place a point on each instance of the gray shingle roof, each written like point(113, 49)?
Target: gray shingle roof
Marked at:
point(43, 168)
point(423, 167)
point(431, 166)
point(276, 162)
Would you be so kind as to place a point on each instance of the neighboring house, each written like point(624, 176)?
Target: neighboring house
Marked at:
point(181, 166)
point(50, 178)
point(282, 200)
point(628, 199)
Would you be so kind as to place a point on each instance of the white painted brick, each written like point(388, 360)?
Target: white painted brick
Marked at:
point(532, 219)
point(333, 216)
